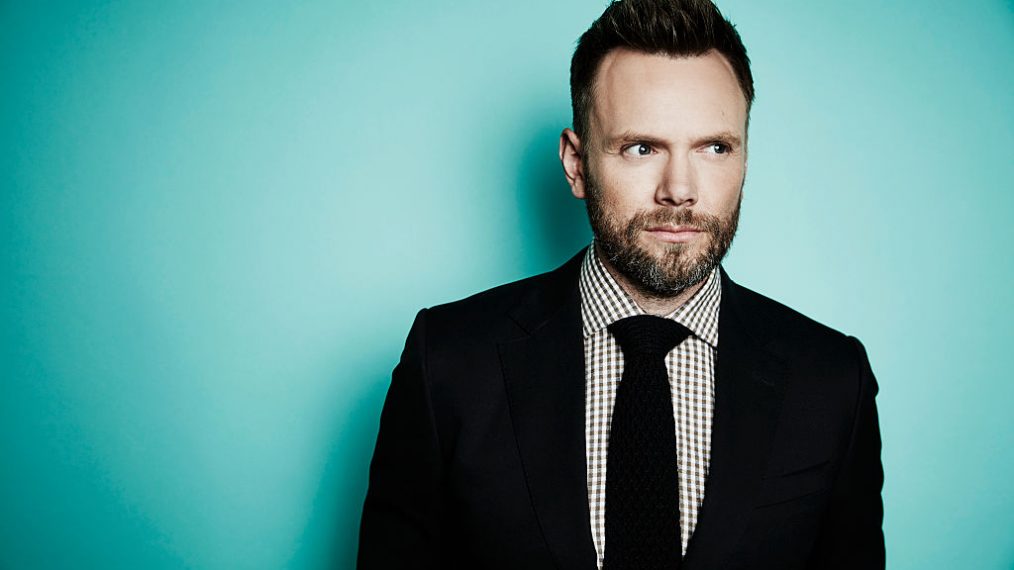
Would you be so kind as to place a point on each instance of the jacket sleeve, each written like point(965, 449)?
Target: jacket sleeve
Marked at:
point(401, 515)
point(852, 534)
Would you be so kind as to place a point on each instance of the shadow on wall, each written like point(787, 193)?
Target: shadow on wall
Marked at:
point(553, 227)
point(553, 224)
point(331, 534)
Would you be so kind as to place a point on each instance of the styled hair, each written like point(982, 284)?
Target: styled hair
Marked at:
point(677, 28)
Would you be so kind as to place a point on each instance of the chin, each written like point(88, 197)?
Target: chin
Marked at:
point(683, 250)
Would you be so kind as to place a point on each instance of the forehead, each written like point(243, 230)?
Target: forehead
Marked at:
point(666, 96)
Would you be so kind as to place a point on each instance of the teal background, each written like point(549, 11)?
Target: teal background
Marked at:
point(219, 219)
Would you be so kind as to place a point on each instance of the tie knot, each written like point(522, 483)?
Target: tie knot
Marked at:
point(648, 335)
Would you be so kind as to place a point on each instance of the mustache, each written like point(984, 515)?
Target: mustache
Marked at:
point(683, 217)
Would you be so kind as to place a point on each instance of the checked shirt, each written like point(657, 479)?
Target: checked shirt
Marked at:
point(691, 374)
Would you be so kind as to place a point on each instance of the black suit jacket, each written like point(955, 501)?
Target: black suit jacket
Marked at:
point(480, 459)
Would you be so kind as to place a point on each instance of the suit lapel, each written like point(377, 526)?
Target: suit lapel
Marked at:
point(748, 395)
point(544, 376)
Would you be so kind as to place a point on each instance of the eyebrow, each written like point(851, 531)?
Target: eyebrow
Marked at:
point(630, 137)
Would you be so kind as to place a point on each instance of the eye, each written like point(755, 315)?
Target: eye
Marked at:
point(638, 149)
point(719, 147)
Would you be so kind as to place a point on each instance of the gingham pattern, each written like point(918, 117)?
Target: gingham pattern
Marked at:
point(691, 372)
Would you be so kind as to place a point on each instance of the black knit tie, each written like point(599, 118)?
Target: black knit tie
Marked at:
point(642, 477)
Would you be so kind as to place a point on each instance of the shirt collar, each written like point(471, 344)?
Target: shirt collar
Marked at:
point(603, 302)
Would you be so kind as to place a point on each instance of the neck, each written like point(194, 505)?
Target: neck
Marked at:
point(651, 303)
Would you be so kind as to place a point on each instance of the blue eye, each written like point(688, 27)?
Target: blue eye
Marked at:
point(720, 148)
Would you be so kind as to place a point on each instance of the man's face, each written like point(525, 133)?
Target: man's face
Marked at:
point(662, 166)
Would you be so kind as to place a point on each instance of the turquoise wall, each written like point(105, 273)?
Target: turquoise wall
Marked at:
point(218, 220)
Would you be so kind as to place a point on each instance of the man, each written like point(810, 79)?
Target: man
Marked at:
point(634, 408)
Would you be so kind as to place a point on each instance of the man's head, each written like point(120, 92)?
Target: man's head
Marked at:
point(661, 91)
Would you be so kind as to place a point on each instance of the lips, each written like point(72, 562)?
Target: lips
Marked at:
point(673, 229)
point(673, 234)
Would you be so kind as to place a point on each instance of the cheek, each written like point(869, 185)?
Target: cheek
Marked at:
point(627, 190)
point(721, 188)
point(615, 208)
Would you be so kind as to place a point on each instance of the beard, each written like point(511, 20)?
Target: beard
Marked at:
point(677, 268)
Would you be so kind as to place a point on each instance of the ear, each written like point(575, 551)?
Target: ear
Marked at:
point(746, 146)
point(570, 158)
point(746, 165)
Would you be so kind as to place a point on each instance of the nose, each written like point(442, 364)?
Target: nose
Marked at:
point(677, 185)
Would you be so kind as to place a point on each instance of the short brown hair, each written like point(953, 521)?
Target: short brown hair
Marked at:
point(677, 28)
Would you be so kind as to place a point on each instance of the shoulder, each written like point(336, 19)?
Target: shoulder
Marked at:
point(506, 311)
point(774, 317)
point(495, 300)
point(823, 371)
point(796, 337)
